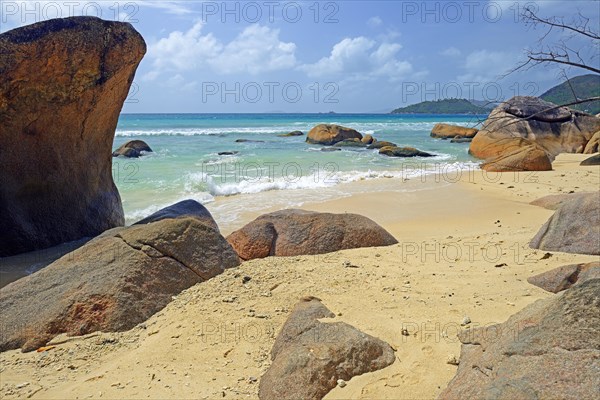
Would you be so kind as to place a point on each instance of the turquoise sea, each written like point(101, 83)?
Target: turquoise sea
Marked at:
point(186, 164)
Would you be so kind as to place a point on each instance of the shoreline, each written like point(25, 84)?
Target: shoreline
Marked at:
point(217, 334)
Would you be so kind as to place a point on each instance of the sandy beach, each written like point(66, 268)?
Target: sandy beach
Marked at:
point(463, 252)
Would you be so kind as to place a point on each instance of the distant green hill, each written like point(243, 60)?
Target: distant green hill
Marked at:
point(584, 86)
point(444, 106)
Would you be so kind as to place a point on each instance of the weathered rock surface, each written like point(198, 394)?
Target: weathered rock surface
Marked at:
point(290, 134)
point(461, 140)
point(549, 350)
point(132, 149)
point(368, 139)
point(593, 145)
point(527, 158)
point(298, 232)
point(310, 356)
point(62, 85)
point(564, 277)
point(113, 282)
point(183, 209)
point(329, 134)
point(379, 145)
point(561, 130)
point(553, 201)
point(447, 131)
point(574, 227)
point(350, 143)
point(403, 152)
point(593, 160)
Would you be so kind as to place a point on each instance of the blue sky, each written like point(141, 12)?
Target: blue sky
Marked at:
point(343, 56)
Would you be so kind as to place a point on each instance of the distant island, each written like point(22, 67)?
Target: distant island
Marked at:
point(584, 86)
point(443, 106)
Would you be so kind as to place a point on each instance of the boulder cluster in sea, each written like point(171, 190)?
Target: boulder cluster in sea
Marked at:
point(340, 136)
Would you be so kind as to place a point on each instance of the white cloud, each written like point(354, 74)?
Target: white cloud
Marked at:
point(256, 49)
point(374, 22)
point(360, 58)
point(451, 52)
point(168, 6)
point(486, 65)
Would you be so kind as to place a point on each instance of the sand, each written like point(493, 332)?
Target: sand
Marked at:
point(463, 252)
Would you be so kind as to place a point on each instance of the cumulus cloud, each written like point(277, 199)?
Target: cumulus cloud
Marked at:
point(360, 58)
point(374, 22)
point(451, 52)
point(486, 65)
point(256, 49)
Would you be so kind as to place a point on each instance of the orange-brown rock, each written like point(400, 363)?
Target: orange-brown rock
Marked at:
point(556, 130)
point(62, 85)
point(528, 158)
point(328, 134)
point(368, 139)
point(447, 131)
point(299, 232)
point(592, 146)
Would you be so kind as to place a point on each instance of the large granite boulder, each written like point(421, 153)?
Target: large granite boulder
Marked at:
point(132, 149)
point(113, 282)
point(329, 134)
point(554, 129)
point(182, 209)
point(527, 158)
point(562, 278)
point(62, 85)
point(554, 201)
point(310, 356)
point(574, 227)
point(298, 232)
point(549, 350)
point(447, 131)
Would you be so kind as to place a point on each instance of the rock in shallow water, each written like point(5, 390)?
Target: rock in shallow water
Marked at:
point(62, 85)
point(447, 131)
point(132, 149)
point(403, 152)
point(329, 134)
